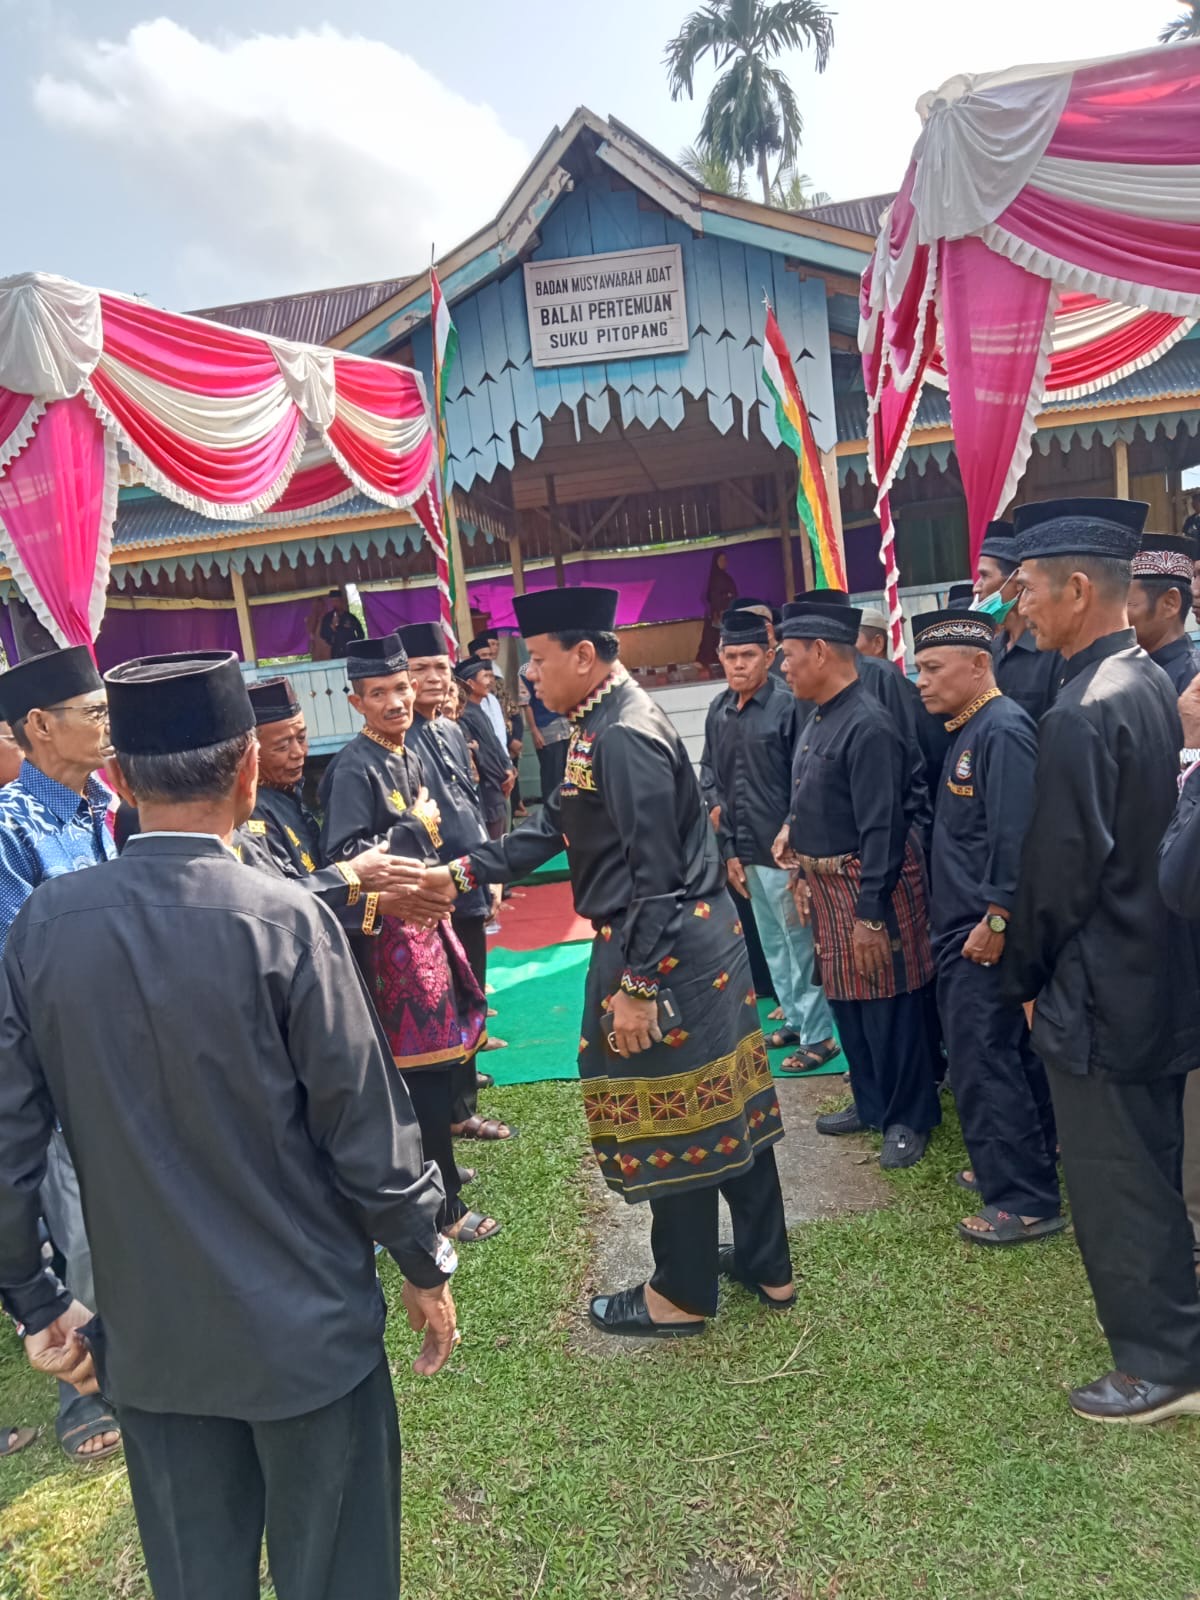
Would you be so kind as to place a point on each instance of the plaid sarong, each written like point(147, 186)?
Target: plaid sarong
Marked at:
point(834, 896)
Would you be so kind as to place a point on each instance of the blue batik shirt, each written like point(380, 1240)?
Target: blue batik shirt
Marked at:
point(47, 829)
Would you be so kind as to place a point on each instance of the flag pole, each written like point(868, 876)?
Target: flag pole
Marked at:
point(462, 606)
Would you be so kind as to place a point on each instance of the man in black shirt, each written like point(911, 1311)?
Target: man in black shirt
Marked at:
point(680, 1102)
point(980, 819)
point(1024, 674)
point(339, 627)
point(1159, 596)
point(750, 740)
point(496, 774)
point(241, 1139)
point(1091, 945)
point(862, 883)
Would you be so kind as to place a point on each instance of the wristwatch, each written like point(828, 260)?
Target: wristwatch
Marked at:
point(997, 924)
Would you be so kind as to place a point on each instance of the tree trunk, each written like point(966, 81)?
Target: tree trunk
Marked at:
point(764, 175)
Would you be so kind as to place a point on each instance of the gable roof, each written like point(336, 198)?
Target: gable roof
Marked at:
point(859, 216)
point(310, 318)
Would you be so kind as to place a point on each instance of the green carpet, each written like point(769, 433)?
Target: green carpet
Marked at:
point(538, 996)
point(552, 871)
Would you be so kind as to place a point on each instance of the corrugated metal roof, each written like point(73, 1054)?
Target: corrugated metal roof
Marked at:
point(859, 216)
point(153, 520)
point(311, 318)
point(1175, 376)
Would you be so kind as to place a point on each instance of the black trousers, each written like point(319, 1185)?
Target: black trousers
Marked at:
point(764, 984)
point(464, 1090)
point(552, 765)
point(431, 1090)
point(1000, 1089)
point(684, 1236)
point(325, 1487)
point(1122, 1152)
point(887, 1049)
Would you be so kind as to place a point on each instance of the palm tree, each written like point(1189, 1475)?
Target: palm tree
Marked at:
point(1185, 26)
point(713, 173)
point(752, 113)
point(792, 191)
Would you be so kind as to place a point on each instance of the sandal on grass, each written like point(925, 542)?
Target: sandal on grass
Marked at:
point(811, 1058)
point(1005, 1229)
point(728, 1268)
point(13, 1440)
point(468, 1230)
point(86, 1418)
point(484, 1080)
point(478, 1127)
point(971, 1184)
point(781, 1038)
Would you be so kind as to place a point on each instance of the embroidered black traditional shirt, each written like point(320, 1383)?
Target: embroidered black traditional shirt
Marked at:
point(848, 786)
point(1024, 674)
point(1178, 660)
point(368, 796)
point(748, 752)
point(446, 765)
point(981, 816)
point(639, 844)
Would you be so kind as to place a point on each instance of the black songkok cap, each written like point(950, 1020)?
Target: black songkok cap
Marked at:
point(1000, 543)
point(424, 639)
point(1164, 555)
point(161, 705)
point(823, 597)
point(960, 596)
point(746, 603)
point(472, 667)
point(1081, 527)
point(583, 610)
point(739, 626)
point(481, 640)
point(274, 700)
point(47, 680)
point(973, 629)
point(376, 658)
point(835, 623)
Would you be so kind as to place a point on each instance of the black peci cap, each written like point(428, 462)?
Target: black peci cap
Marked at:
point(471, 667)
point(1079, 527)
point(833, 622)
point(161, 705)
point(47, 680)
point(583, 610)
point(739, 626)
point(424, 639)
point(376, 658)
point(274, 700)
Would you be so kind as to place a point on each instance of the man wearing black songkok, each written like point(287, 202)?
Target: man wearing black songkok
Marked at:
point(1024, 673)
point(1092, 946)
point(241, 1139)
point(680, 1103)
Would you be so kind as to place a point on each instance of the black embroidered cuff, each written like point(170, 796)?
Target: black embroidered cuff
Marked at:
point(640, 988)
point(463, 874)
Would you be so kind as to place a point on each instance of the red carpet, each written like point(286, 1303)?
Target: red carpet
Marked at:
point(540, 917)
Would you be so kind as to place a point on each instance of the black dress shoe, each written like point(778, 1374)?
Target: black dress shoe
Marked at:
point(839, 1122)
point(902, 1147)
point(625, 1313)
point(727, 1266)
point(1117, 1397)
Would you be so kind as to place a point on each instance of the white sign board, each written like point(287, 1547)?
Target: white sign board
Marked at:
point(604, 308)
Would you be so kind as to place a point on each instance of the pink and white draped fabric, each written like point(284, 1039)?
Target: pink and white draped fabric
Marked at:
point(1045, 242)
point(230, 424)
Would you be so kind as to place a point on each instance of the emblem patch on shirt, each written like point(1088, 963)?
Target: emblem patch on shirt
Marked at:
point(255, 826)
point(398, 801)
point(962, 767)
point(579, 774)
point(292, 835)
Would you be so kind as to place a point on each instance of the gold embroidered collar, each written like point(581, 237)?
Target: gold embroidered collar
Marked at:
point(964, 717)
point(382, 739)
point(617, 676)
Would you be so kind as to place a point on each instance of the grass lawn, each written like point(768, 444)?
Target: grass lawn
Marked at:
point(903, 1432)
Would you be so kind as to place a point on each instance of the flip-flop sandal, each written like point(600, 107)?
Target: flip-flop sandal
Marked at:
point(16, 1439)
point(727, 1267)
point(810, 1059)
point(485, 1128)
point(971, 1185)
point(782, 1037)
point(466, 1175)
point(90, 1417)
point(469, 1232)
point(1008, 1230)
point(484, 1080)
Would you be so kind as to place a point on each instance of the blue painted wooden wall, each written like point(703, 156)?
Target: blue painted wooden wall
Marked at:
point(495, 386)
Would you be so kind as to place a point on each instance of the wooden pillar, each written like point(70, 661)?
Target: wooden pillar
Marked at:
point(518, 562)
point(245, 627)
point(785, 540)
point(1175, 492)
point(462, 606)
point(555, 533)
point(1120, 469)
point(834, 491)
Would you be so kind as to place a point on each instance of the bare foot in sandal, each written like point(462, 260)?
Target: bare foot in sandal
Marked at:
point(481, 1128)
point(473, 1228)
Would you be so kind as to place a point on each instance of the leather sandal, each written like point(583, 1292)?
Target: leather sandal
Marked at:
point(625, 1313)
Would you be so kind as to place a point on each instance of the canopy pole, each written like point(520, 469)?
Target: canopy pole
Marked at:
point(517, 561)
point(245, 627)
point(785, 541)
point(555, 532)
point(462, 605)
point(1120, 452)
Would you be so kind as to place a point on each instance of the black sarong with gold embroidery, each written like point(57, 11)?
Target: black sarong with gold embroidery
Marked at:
point(646, 870)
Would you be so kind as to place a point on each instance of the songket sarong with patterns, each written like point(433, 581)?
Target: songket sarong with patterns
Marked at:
point(835, 884)
point(695, 1109)
point(429, 1004)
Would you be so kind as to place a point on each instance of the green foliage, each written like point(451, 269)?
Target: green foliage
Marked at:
point(1185, 26)
point(712, 172)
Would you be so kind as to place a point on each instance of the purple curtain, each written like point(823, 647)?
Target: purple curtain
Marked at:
point(8, 637)
point(125, 634)
point(281, 629)
point(389, 609)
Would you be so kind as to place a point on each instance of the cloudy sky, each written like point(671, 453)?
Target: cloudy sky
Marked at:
point(218, 150)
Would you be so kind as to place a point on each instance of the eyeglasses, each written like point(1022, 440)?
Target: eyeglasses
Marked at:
point(96, 715)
